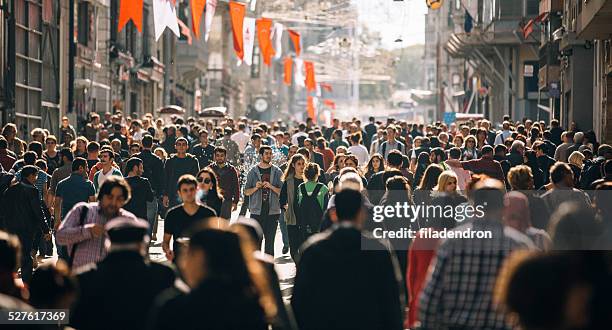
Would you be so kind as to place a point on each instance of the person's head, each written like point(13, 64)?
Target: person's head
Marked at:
point(252, 228)
point(395, 159)
point(256, 140)
point(113, 195)
point(265, 153)
point(351, 161)
point(106, 157)
point(338, 162)
point(349, 206)
point(516, 211)
point(203, 135)
point(207, 181)
point(134, 149)
point(447, 182)
point(65, 122)
point(10, 252)
point(3, 143)
point(423, 159)
point(52, 287)
point(81, 144)
point(520, 178)
point(576, 158)
point(311, 172)
point(573, 227)
point(220, 155)
point(295, 166)
point(341, 150)
point(161, 153)
point(437, 155)
point(469, 142)
point(487, 151)
point(309, 144)
point(517, 147)
point(454, 153)
point(487, 193)
point(292, 151)
point(181, 145)
point(561, 175)
point(187, 187)
point(376, 164)
point(29, 158)
point(93, 148)
point(29, 173)
point(9, 131)
point(605, 150)
point(430, 177)
point(506, 125)
point(51, 142)
point(337, 134)
point(134, 166)
point(79, 166)
point(116, 145)
point(147, 142)
point(391, 132)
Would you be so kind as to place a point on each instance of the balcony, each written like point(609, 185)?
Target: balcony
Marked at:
point(191, 59)
point(594, 19)
point(550, 6)
point(548, 74)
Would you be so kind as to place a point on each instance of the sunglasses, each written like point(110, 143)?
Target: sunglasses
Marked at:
point(205, 180)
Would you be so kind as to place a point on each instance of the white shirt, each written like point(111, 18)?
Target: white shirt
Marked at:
point(103, 176)
point(294, 138)
point(241, 139)
point(361, 153)
point(137, 136)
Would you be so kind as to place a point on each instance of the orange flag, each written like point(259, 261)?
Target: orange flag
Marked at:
point(197, 8)
point(288, 67)
point(310, 108)
point(330, 104)
point(311, 84)
point(237, 11)
point(264, 28)
point(295, 38)
point(130, 10)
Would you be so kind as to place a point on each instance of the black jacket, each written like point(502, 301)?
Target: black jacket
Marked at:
point(153, 170)
point(376, 185)
point(214, 305)
point(175, 168)
point(340, 285)
point(119, 292)
point(23, 210)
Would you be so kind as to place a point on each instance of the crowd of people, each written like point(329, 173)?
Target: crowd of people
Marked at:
point(95, 196)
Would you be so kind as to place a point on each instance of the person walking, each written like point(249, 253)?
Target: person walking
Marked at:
point(106, 159)
point(183, 216)
point(176, 166)
point(263, 187)
point(153, 170)
point(204, 151)
point(228, 183)
point(368, 295)
point(209, 193)
point(24, 216)
point(292, 178)
point(140, 188)
point(312, 199)
point(124, 284)
point(83, 229)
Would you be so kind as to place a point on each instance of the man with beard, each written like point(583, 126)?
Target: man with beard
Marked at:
point(106, 159)
point(178, 165)
point(228, 182)
point(263, 188)
point(83, 229)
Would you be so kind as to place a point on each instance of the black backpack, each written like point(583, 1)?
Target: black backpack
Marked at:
point(309, 211)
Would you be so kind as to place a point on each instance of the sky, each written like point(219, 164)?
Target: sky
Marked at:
point(395, 19)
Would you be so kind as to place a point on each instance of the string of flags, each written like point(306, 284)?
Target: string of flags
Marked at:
point(244, 32)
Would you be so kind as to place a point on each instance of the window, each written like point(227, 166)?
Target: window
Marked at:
point(145, 32)
point(84, 24)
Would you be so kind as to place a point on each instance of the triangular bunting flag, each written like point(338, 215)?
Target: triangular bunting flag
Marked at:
point(295, 38)
point(277, 37)
point(211, 6)
point(311, 84)
point(288, 67)
point(237, 11)
point(248, 36)
point(164, 16)
point(264, 26)
point(197, 8)
point(130, 10)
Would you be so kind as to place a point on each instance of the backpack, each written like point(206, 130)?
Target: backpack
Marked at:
point(309, 211)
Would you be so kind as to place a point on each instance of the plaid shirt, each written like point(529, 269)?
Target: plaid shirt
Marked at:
point(89, 249)
point(459, 290)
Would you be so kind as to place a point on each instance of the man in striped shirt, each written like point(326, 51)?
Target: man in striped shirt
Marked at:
point(85, 235)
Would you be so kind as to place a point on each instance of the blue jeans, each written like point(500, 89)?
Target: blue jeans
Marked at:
point(152, 214)
point(283, 228)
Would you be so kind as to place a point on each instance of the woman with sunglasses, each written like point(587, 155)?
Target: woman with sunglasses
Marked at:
point(209, 193)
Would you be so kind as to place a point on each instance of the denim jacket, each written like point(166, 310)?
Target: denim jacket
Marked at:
point(255, 200)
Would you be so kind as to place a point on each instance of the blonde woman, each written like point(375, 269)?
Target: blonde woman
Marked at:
point(447, 185)
point(576, 162)
point(80, 148)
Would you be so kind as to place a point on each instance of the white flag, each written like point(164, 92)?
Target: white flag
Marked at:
point(253, 5)
point(248, 38)
point(277, 37)
point(299, 73)
point(164, 16)
point(211, 5)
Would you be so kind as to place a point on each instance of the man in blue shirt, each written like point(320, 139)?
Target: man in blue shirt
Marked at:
point(70, 191)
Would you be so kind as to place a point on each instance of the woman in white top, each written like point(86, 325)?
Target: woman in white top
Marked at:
point(357, 149)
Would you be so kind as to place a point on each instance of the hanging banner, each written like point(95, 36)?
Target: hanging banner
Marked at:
point(197, 8)
point(248, 36)
point(130, 10)
point(264, 29)
point(310, 108)
point(277, 37)
point(164, 16)
point(299, 73)
point(288, 67)
point(185, 32)
point(296, 40)
point(237, 11)
point(211, 6)
point(310, 82)
point(331, 104)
